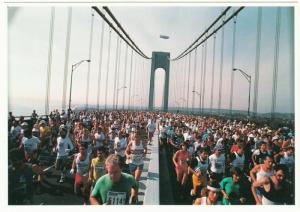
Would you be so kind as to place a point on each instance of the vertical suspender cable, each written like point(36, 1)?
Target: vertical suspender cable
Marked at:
point(142, 81)
point(89, 65)
point(199, 93)
point(213, 76)
point(188, 84)
point(276, 58)
point(184, 81)
point(134, 78)
point(221, 70)
point(107, 68)
point(49, 60)
point(194, 81)
point(100, 65)
point(124, 77)
point(232, 65)
point(118, 74)
point(292, 58)
point(201, 80)
point(115, 76)
point(130, 77)
point(257, 60)
point(204, 74)
point(67, 57)
point(175, 81)
point(177, 94)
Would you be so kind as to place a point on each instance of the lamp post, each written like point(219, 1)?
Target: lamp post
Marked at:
point(248, 78)
point(74, 66)
point(117, 102)
point(183, 100)
point(141, 101)
point(132, 97)
point(178, 105)
point(196, 92)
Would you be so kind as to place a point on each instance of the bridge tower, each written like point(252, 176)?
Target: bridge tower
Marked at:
point(160, 60)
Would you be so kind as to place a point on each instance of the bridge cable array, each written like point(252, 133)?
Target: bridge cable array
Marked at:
point(133, 45)
point(211, 34)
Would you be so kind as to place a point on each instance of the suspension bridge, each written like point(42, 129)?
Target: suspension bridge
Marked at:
point(211, 76)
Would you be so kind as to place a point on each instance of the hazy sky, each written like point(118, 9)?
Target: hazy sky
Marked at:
point(28, 34)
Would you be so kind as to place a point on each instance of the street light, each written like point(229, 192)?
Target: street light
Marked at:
point(117, 102)
point(74, 66)
point(132, 97)
point(183, 100)
point(141, 101)
point(196, 92)
point(248, 78)
point(121, 88)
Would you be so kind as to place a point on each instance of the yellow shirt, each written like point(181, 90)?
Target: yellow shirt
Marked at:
point(44, 131)
point(98, 168)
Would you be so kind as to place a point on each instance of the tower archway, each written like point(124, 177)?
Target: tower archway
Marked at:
point(160, 60)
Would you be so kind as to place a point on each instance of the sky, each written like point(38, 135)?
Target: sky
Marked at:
point(28, 46)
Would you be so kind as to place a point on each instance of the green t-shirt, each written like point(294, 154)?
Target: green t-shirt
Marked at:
point(232, 190)
point(117, 193)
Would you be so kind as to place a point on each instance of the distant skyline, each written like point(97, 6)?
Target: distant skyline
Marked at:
point(28, 36)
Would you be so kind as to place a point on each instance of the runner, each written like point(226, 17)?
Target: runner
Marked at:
point(120, 147)
point(181, 159)
point(30, 145)
point(261, 170)
point(99, 138)
point(63, 148)
point(259, 154)
point(217, 164)
point(275, 189)
point(199, 166)
point(231, 189)
point(20, 183)
point(150, 129)
point(212, 192)
point(87, 140)
point(135, 152)
point(237, 158)
point(82, 164)
point(116, 187)
point(97, 166)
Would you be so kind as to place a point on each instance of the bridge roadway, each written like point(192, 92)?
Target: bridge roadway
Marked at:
point(55, 193)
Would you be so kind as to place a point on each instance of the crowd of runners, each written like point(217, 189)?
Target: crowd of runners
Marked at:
point(212, 160)
point(103, 151)
point(228, 162)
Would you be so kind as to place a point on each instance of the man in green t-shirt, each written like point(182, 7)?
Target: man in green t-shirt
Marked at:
point(116, 187)
point(231, 189)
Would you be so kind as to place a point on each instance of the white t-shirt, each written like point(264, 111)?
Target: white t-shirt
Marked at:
point(62, 145)
point(100, 138)
point(289, 161)
point(15, 131)
point(120, 146)
point(151, 127)
point(137, 154)
point(82, 166)
point(217, 163)
point(30, 144)
point(239, 161)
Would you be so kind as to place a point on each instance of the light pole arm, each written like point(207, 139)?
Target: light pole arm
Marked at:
point(196, 92)
point(247, 76)
point(77, 64)
point(71, 87)
point(74, 66)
